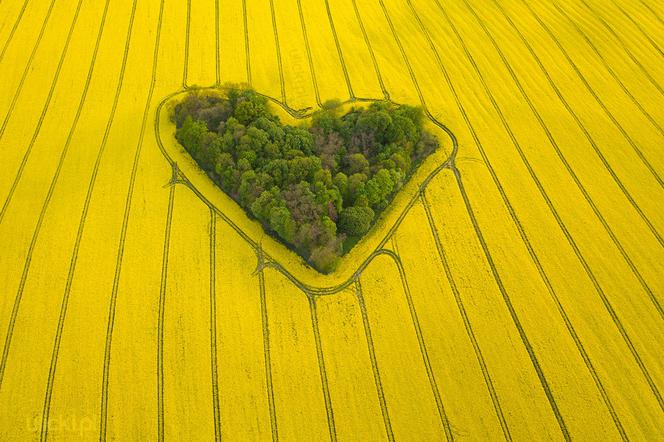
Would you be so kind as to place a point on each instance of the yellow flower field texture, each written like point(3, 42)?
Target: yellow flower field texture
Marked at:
point(513, 290)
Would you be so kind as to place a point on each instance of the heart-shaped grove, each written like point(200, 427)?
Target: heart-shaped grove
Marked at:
point(317, 183)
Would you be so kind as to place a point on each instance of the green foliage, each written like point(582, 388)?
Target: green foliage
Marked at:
point(314, 187)
point(357, 163)
point(379, 188)
point(355, 221)
point(191, 135)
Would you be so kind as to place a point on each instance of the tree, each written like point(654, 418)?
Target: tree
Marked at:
point(379, 188)
point(228, 174)
point(301, 202)
point(355, 221)
point(341, 182)
point(272, 128)
point(282, 222)
point(248, 190)
point(357, 163)
point(215, 115)
point(209, 149)
point(327, 119)
point(354, 188)
point(325, 257)
point(303, 169)
point(191, 134)
point(278, 170)
point(190, 107)
point(262, 206)
point(375, 122)
point(254, 139)
point(331, 104)
point(424, 147)
point(297, 138)
point(329, 148)
point(249, 106)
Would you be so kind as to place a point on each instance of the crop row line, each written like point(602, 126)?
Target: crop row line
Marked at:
point(596, 97)
point(554, 212)
point(631, 56)
point(639, 28)
point(652, 11)
point(17, 22)
point(162, 314)
point(37, 229)
point(213, 326)
point(187, 32)
point(26, 70)
point(280, 66)
point(79, 233)
point(566, 163)
point(123, 233)
point(321, 368)
point(519, 228)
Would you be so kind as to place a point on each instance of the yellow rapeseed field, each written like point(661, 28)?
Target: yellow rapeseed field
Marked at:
point(513, 289)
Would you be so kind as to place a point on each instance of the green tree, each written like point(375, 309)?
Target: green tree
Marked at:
point(303, 169)
point(226, 169)
point(191, 134)
point(379, 188)
point(282, 222)
point(263, 205)
point(248, 106)
point(341, 182)
point(357, 163)
point(297, 138)
point(354, 188)
point(248, 190)
point(355, 221)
